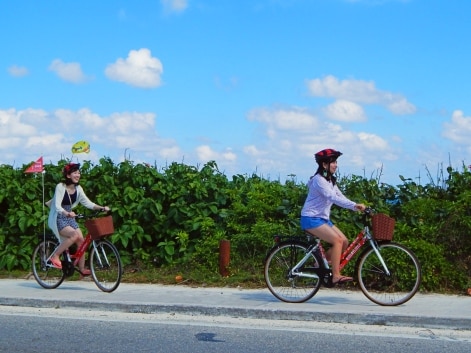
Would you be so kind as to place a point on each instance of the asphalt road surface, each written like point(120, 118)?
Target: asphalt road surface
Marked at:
point(70, 330)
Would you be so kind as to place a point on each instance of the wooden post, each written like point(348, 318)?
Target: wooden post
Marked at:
point(224, 257)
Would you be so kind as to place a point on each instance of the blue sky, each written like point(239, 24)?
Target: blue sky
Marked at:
point(258, 86)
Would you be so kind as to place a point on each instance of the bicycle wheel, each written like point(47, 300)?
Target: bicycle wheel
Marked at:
point(105, 265)
point(402, 282)
point(282, 283)
point(44, 272)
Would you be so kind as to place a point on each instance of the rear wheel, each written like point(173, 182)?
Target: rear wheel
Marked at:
point(395, 288)
point(105, 265)
point(44, 272)
point(282, 282)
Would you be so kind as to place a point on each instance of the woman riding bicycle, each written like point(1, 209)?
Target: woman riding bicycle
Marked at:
point(315, 214)
point(67, 195)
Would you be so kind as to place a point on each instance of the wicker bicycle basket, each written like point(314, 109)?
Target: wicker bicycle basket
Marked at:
point(100, 227)
point(383, 226)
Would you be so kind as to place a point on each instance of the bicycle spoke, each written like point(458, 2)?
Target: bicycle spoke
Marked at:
point(105, 265)
point(284, 284)
point(44, 272)
point(395, 288)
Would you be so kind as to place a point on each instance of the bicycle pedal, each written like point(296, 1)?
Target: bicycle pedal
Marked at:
point(68, 268)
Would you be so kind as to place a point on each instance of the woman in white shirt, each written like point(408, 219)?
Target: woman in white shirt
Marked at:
point(67, 195)
point(315, 214)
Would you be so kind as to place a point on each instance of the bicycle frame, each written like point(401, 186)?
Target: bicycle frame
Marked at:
point(361, 239)
point(104, 260)
point(296, 266)
point(79, 253)
point(354, 247)
point(81, 250)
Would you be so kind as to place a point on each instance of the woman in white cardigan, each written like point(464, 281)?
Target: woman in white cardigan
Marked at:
point(68, 195)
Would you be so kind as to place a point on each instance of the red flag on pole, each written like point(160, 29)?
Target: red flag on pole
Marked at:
point(36, 167)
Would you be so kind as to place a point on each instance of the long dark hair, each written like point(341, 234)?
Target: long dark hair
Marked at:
point(326, 172)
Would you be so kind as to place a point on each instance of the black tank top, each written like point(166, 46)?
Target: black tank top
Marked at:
point(69, 199)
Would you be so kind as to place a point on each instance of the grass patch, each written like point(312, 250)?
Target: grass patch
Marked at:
point(190, 276)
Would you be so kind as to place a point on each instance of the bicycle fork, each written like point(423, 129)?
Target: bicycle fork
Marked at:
point(100, 252)
point(378, 254)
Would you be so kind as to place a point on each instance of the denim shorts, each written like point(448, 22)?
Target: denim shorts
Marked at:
point(314, 222)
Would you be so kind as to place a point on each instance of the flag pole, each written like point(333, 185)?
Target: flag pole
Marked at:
point(44, 210)
point(38, 167)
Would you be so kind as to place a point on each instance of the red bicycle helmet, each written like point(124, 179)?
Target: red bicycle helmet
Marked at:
point(326, 156)
point(70, 168)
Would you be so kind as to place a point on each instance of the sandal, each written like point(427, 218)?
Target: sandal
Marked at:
point(84, 272)
point(342, 279)
point(56, 263)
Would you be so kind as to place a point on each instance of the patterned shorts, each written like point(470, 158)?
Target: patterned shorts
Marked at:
point(64, 221)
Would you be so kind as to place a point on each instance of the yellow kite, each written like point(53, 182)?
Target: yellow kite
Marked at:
point(81, 147)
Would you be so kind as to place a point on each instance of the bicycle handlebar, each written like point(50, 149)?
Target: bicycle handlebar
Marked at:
point(367, 213)
point(92, 215)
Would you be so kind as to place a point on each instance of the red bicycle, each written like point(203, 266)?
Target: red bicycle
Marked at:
point(388, 273)
point(104, 261)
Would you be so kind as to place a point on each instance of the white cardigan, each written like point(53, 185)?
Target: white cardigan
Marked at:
point(56, 205)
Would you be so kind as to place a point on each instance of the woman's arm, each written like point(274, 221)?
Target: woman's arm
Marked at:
point(84, 200)
point(333, 194)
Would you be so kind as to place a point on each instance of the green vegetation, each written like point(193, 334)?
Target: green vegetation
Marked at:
point(170, 221)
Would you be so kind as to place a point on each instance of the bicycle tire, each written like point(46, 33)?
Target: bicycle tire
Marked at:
point(44, 273)
point(105, 265)
point(281, 283)
point(396, 288)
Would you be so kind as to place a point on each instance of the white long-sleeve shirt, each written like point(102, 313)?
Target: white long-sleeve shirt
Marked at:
point(322, 194)
point(56, 205)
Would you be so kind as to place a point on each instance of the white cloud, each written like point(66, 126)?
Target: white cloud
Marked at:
point(18, 71)
point(291, 137)
point(31, 131)
point(12, 125)
point(373, 142)
point(458, 130)
point(174, 5)
point(342, 110)
point(205, 154)
point(359, 91)
point(139, 69)
point(70, 72)
point(284, 119)
point(253, 150)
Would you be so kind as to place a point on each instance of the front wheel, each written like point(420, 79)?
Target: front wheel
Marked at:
point(44, 272)
point(395, 287)
point(283, 283)
point(105, 265)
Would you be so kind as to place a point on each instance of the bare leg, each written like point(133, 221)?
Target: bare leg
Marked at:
point(71, 236)
point(79, 242)
point(68, 234)
point(339, 242)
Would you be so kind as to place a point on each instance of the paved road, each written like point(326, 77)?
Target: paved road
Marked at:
point(329, 305)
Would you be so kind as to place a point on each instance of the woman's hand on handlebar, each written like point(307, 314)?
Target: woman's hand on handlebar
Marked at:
point(102, 209)
point(360, 207)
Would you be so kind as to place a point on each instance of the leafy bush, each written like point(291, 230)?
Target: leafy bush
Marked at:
point(177, 215)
